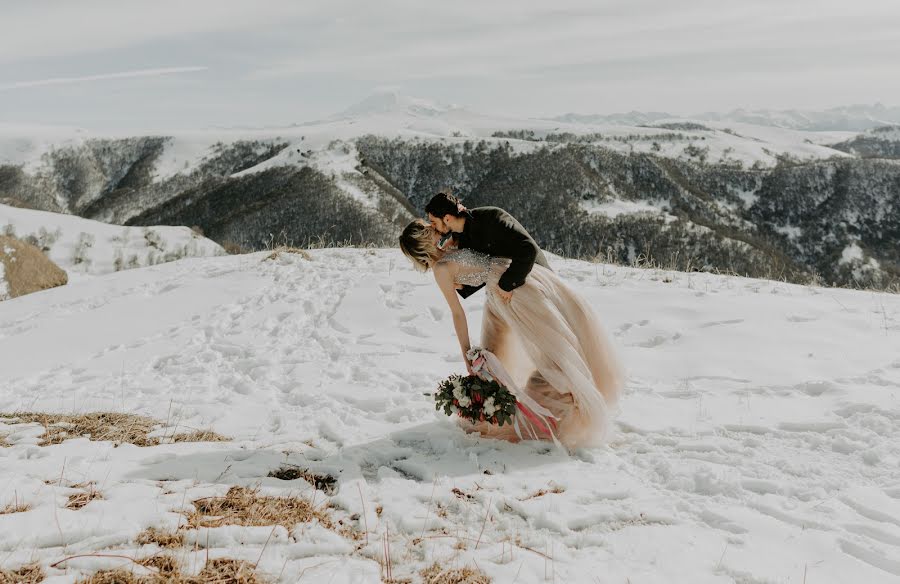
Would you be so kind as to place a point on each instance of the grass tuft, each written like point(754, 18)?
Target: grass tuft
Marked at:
point(323, 482)
point(219, 571)
point(97, 426)
point(104, 426)
point(288, 249)
point(31, 574)
point(164, 539)
point(79, 500)
point(435, 574)
point(199, 436)
point(243, 506)
point(17, 507)
point(160, 563)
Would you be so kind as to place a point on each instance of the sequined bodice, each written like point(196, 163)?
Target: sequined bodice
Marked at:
point(476, 266)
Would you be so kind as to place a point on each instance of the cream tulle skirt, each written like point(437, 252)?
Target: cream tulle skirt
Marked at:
point(549, 343)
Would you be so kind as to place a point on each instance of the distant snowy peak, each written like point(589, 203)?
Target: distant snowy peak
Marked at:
point(624, 119)
point(393, 102)
point(846, 118)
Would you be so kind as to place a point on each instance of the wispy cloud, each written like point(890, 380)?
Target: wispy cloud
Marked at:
point(101, 77)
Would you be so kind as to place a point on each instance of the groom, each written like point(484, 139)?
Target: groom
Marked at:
point(489, 230)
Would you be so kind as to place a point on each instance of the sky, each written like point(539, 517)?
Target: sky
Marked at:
point(176, 64)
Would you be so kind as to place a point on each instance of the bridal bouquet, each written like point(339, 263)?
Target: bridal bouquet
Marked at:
point(476, 397)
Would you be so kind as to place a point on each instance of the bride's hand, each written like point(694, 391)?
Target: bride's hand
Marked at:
point(469, 366)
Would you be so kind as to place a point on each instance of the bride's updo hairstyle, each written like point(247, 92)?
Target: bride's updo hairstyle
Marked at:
point(417, 243)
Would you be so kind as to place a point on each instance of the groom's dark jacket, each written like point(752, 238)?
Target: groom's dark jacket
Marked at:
point(493, 231)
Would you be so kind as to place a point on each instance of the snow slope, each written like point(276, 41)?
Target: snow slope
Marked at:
point(758, 440)
point(82, 246)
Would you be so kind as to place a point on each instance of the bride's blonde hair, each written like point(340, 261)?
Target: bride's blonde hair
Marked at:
point(417, 243)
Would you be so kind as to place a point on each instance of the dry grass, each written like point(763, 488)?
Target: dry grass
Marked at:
point(3, 442)
point(435, 574)
point(232, 248)
point(163, 539)
point(16, 507)
point(219, 571)
point(224, 570)
point(554, 489)
point(199, 436)
point(323, 482)
point(288, 249)
point(79, 500)
point(31, 574)
point(99, 426)
point(27, 269)
point(243, 506)
point(14, 202)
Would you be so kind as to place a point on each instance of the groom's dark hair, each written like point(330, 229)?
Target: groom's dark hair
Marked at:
point(444, 203)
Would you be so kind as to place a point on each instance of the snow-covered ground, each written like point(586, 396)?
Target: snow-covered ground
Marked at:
point(758, 441)
point(82, 246)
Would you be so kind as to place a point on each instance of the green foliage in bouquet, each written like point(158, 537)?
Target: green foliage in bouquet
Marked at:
point(475, 399)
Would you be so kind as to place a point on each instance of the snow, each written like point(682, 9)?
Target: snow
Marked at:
point(851, 253)
point(791, 231)
point(25, 145)
point(82, 246)
point(616, 207)
point(4, 286)
point(889, 133)
point(181, 156)
point(749, 198)
point(734, 458)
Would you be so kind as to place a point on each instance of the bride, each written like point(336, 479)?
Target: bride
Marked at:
point(546, 344)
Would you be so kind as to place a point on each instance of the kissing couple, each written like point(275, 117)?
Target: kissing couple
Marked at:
point(542, 340)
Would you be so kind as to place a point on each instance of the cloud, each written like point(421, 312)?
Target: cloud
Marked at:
point(102, 77)
point(289, 60)
point(32, 30)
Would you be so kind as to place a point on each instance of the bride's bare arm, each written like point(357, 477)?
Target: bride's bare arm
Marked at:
point(444, 274)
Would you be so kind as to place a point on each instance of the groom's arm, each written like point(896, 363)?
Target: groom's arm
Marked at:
point(515, 243)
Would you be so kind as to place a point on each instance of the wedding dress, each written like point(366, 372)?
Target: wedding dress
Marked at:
point(547, 346)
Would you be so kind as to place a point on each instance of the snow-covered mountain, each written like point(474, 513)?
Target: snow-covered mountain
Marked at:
point(393, 102)
point(854, 118)
point(734, 458)
point(729, 196)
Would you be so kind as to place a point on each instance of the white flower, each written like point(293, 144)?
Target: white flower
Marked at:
point(464, 401)
point(454, 409)
point(489, 407)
